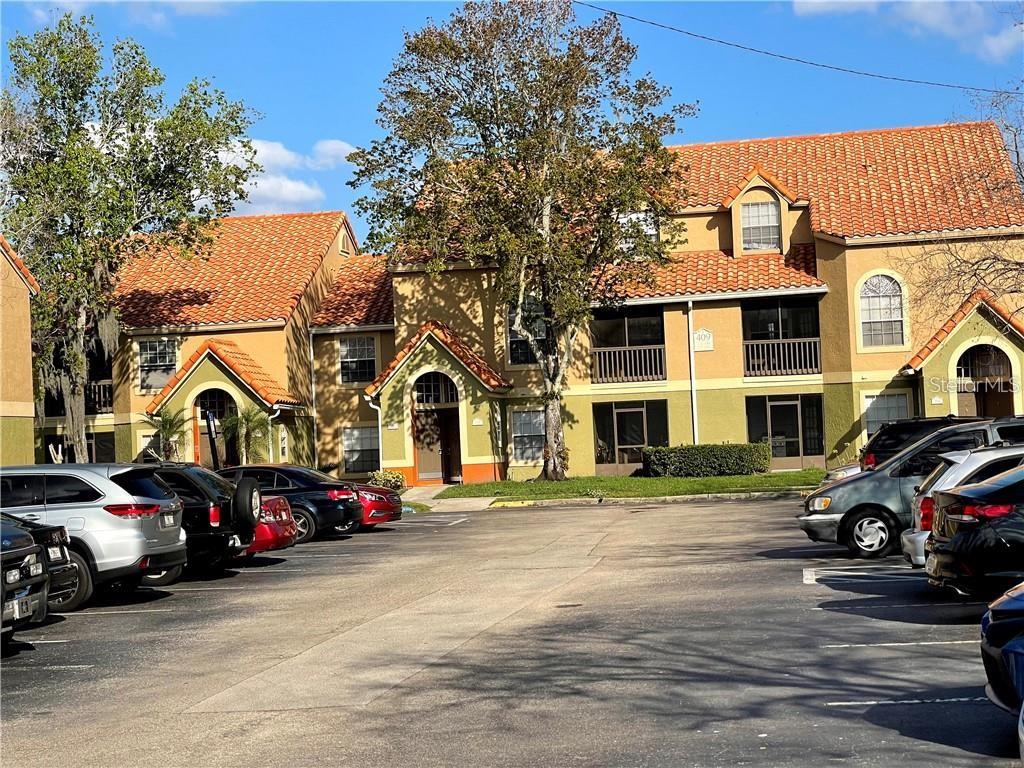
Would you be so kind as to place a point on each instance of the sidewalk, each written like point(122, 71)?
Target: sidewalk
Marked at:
point(427, 494)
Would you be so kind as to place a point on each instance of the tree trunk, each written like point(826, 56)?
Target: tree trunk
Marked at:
point(556, 456)
point(72, 387)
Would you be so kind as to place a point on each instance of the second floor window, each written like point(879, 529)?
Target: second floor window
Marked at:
point(157, 362)
point(761, 230)
point(519, 352)
point(358, 359)
point(881, 312)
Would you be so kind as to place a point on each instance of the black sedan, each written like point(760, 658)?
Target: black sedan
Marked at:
point(319, 502)
point(977, 541)
point(1002, 651)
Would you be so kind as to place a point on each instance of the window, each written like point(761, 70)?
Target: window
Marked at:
point(435, 389)
point(361, 447)
point(527, 435)
point(266, 479)
point(358, 359)
point(143, 482)
point(64, 489)
point(519, 352)
point(623, 430)
point(792, 424)
point(881, 312)
point(761, 230)
point(217, 402)
point(771, 319)
point(630, 328)
point(21, 491)
point(884, 408)
point(644, 222)
point(992, 469)
point(157, 362)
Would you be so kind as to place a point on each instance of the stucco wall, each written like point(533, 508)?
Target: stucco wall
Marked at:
point(16, 398)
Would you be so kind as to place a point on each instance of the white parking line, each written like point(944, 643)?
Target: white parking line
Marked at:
point(302, 557)
point(877, 702)
point(900, 645)
point(276, 570)
point(200, 589)
point(898, 605)
point(115, 613)
point(49, 667)
point(41, 642)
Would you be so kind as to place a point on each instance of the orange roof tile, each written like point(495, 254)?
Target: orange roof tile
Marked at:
point(19, 265)
point(256, 270)
point(700, 273)
point(361, 294)
point(454, 343)
point(752, 174)
point(241, 364)
point(979, 298)
point(881, 182)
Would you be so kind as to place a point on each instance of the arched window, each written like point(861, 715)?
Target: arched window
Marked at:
point(881, 312)
point(436, 389)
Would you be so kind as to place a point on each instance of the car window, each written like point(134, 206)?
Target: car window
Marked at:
point(283, 481)
point(142, 482)
point(894, 436)
point(1011, 433)
point(213, 482)
point(265, 478)
point(311, 475)
point(21, 490)
point(181, 485)
point(67, 489)
point(992, 469)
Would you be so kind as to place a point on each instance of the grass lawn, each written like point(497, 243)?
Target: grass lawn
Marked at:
point(415, 507)
point(617, 487)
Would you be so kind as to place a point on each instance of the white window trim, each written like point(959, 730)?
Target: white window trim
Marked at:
point(864, 349)
point(342, 470)
point(137, 365)
point(375, 338)
point(778, 209)
point(512, 460)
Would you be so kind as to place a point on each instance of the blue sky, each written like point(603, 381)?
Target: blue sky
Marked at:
point(313, 69)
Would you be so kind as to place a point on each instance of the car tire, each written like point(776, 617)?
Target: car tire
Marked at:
point(163, 578)
point(305, 524)
point(83, 591)
point(347, 528)
point(245, 507)
point(871, 533)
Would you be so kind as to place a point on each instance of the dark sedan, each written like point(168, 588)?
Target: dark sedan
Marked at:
point(977, 541)
point(1002, 651)
point(319, 502)
point(53, 540)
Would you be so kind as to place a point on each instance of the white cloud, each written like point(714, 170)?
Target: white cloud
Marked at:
point(156, 15)
point(286, 183)
point(982, 28)
point(275, 156)
point(330, 153)
point(277, 193)
point(327, 154)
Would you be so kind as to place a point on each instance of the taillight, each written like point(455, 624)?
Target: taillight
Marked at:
point(927, 513)
point(214, 516)
point(869, 461)
point(337, 494)
point(972, 513)
point(267, 514)
point(133, 511)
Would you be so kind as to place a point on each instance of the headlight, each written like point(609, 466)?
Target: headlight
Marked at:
point(35, 569)
point(12, 577)
point(372, 496)
point(819, 503)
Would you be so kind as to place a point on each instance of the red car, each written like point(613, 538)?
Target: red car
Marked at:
point(380, 505)
point(276, 527)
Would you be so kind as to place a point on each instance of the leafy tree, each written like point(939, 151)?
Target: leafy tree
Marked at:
point(518, 141)
point(171, 427)
point(249, 428)
point(96, 167)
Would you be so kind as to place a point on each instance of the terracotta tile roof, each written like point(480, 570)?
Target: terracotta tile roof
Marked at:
point(257, 269)
point(241, 364)
point(709, 272)
point(882, 182)
point(19, 265)
point(753, 173)
point(454, 343)
point(973, 302)
point(361, 295)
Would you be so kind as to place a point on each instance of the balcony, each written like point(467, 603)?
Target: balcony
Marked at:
point(782, 357)
point(623, 364)
point(99, 397)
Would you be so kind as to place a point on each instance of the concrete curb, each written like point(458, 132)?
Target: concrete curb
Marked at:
point(791, 493)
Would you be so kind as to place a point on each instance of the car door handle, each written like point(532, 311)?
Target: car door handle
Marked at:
point(30, 516)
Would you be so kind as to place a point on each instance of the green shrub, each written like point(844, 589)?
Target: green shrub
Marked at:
point(710, 460)
point(388, 478)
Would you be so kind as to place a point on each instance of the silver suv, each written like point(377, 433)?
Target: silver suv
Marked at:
point(124, 522)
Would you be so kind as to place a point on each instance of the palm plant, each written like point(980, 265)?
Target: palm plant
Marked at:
point(249, 428)
point(171, 427)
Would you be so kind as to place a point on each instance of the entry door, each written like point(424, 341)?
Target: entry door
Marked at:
point(784, 425)
point(427, 435)
point(451, 449)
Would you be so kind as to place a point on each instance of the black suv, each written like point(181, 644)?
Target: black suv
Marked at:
point(24, 581)
point(319, 502)
point(219, 517)
point(54, 541)
point(892, 437)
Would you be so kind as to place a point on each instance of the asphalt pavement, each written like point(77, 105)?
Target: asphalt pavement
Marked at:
point(691, 634)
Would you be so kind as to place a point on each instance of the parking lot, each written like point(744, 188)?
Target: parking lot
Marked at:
point(706, 634)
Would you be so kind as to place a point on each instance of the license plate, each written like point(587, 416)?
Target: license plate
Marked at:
point(167, 520)
point(26, 606)
point(931, 566)
point(54, 553)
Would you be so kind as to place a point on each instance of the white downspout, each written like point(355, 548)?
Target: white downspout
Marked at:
point(270, 434)
point(312, 400)
point(693, 374)
point(380, 430)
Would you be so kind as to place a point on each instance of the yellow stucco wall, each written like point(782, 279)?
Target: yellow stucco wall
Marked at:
point(17, 409)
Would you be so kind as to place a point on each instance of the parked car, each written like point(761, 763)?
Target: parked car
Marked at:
point(956, 468)
point(977, 541)
point(53, 541)
point(219, 517)
point(276, 527)
point(25, 580)
point(319, 502)
point(840, 473)
point(893, 436)
point(867, 512)
point(123, 521)
point(380, 505)
point(1002, 651)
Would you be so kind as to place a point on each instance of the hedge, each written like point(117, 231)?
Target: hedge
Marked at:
point(710, 460)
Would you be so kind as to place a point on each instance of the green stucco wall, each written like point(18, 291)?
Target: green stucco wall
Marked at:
point(17, 440)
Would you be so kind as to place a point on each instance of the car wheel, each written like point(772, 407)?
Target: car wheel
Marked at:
point(305, 525)
point(871, 533)
point(245, 506)
point(163, 578)
point(346, 528)
point(83, 589)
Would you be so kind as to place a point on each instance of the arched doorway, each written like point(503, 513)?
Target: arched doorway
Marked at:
point(220, 405)
point(984, 382)
point(435, 424)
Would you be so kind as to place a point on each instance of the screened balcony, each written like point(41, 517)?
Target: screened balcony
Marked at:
point(627, 345)
point(781, 337)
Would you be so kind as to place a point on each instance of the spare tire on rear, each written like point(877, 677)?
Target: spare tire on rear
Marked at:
point(245, 506)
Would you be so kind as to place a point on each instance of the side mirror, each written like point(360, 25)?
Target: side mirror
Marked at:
point(917, 489)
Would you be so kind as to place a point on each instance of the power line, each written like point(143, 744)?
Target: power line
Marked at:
point(795, 59)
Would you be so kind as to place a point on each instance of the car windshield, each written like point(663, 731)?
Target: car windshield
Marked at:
point(891, 436)
point(212, 481)
point(143, 483)
point(312, 475)
point(913, 448)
